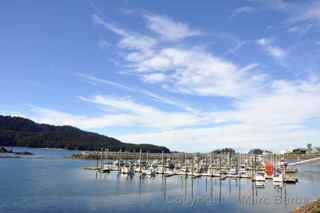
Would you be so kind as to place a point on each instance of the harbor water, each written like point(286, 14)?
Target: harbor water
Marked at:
point(47, 182)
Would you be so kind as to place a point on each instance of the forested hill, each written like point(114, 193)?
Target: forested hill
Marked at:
point(17, 131)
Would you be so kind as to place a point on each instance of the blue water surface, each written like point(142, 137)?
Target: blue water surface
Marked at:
point(53, 183)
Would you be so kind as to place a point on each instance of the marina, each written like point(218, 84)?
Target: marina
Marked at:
point(160, 106)
point(95, 191)
point(257, 168)
point(63, 183)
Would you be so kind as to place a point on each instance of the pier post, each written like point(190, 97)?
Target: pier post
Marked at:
point(252, 166)
point(185, 163)
point(211, 164)
point(192, 168)
point(101, 159)
point(97, 156)
point(255, 164)
point(119, 158)
point(140, 157)
point(220, 163)
point(107, 156)
point(162, 161)
point(284, 168)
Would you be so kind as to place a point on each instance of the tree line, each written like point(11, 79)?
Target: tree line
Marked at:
point(18, 131)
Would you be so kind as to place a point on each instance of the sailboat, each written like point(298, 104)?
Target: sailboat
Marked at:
point(128, 170)
point(169, 173)
point(149, 172)
point(260, 179)
point(233, 173)
point(277, 177)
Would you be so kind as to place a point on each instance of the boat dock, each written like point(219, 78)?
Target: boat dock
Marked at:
point(223, 166)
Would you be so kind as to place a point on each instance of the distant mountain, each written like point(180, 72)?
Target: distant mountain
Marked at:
point(17, 131)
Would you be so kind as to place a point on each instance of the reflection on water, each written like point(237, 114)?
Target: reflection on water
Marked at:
point(60, 185)
point(214, 193)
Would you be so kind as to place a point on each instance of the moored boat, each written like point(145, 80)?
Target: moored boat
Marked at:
point(260, 177)
point(277, 177)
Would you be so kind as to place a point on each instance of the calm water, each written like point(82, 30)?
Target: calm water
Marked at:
point(52, 184)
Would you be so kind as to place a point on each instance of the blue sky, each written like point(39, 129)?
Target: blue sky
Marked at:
point(189, 76)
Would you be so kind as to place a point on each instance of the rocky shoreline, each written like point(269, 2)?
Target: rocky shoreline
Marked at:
point(312, 207)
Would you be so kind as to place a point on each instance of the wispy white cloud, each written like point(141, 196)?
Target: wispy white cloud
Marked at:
point(196, 71)
point(100, 80)
point(137, 42)
point(282, 96)
point(301, 29)
point(170, 29)
point(259, 116)
point(276, 52)
point(130, 40)
point(236, 48)
point(238, 136)
point(186, 70)
point(263, 121)
point(155, 78)
point(173, 102)
point(120, 112)
point(97, 19)
point(55, 117)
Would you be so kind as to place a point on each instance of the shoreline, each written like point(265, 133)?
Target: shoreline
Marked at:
point(311, 207)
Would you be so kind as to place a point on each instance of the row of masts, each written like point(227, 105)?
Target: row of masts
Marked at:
point(212, 165)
